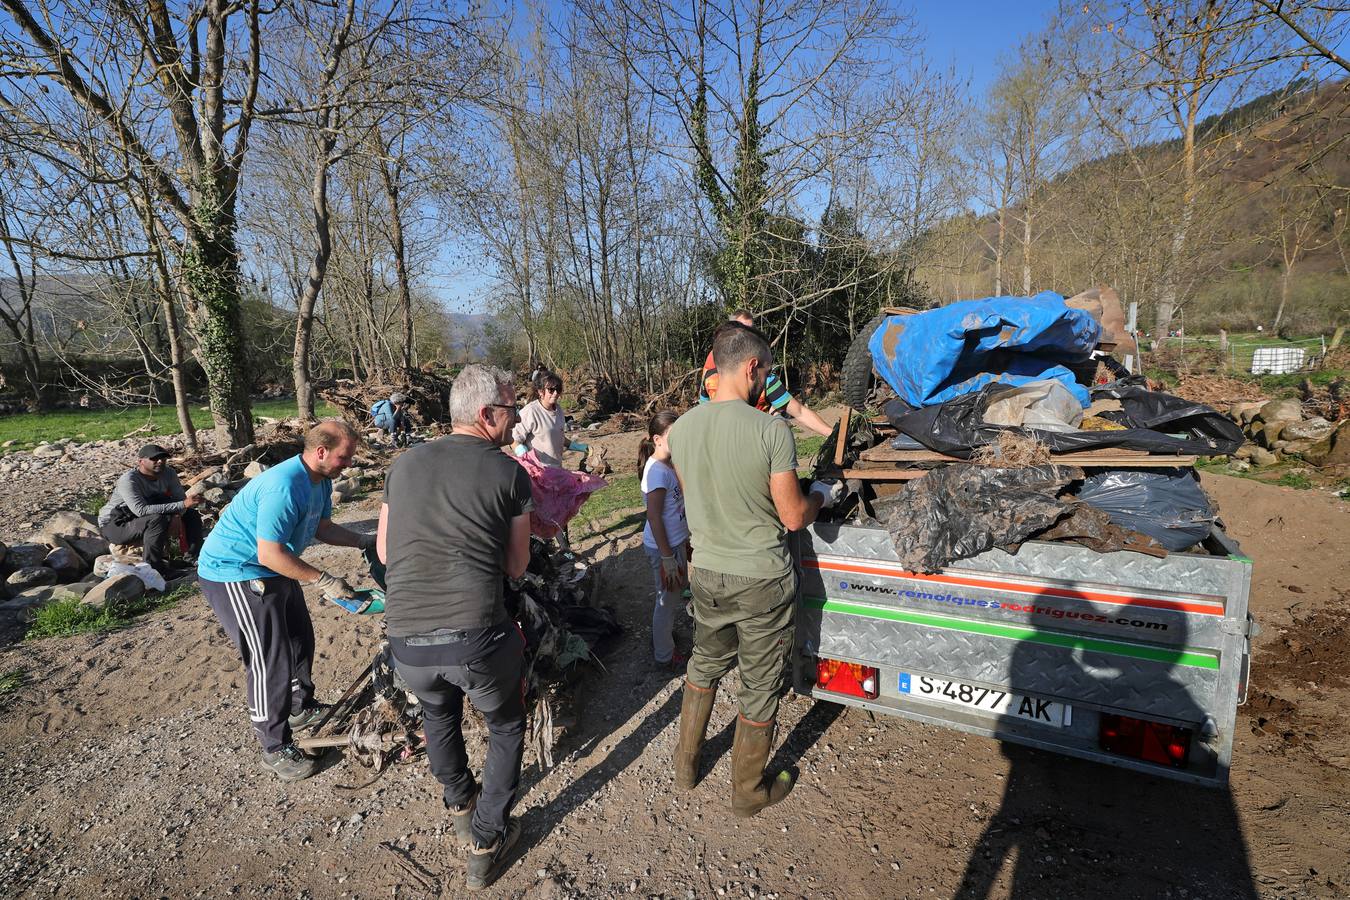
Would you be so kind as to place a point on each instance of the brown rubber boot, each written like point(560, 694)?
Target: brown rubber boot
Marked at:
point(751, 788)
point(695, 711)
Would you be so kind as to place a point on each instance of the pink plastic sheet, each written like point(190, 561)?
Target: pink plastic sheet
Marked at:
point(558, 494)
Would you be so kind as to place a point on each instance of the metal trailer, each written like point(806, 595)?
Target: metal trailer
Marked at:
point(1120, 658)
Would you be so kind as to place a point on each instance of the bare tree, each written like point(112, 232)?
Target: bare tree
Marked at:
point(193, 87)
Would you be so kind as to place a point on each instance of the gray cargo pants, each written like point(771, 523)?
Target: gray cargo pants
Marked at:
point(745, 622)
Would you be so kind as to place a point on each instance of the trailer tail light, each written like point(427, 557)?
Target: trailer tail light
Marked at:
point(1166, 745)
point(847, 678)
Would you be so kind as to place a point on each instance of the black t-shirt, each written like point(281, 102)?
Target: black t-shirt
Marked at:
point(451, 503)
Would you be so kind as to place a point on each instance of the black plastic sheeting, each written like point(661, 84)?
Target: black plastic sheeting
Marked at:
point(959, 511)
point(1152, 420)
point(1168, 505)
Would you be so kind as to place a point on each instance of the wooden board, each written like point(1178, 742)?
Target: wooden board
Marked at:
point(885, 474)
point(841, 437)
point(1107, 457)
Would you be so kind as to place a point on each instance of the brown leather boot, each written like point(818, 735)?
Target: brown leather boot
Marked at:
point(695, 710)
point(751, 788)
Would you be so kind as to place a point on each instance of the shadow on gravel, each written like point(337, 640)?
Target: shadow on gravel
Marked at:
point(1084, 829)
point(606, 700)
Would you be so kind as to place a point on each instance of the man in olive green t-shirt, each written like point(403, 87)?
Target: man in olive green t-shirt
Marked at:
point(738, 467)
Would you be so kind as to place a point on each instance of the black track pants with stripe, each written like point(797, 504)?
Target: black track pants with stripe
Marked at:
point(269, 624)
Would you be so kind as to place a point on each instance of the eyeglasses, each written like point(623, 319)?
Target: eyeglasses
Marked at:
point(515, 410)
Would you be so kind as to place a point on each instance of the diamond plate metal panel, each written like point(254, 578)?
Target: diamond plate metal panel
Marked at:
point(1073, 675)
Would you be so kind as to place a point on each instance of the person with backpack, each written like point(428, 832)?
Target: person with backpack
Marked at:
point(391, 417)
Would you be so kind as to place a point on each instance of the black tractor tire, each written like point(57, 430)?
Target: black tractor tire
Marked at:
point(856, 378)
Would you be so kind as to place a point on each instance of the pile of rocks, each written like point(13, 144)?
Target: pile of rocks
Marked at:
point(1277, 430)
point(62, 562)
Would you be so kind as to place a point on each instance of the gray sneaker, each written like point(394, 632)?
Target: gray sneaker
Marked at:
point(486, 863)
point(308, 717)
point(290, 763)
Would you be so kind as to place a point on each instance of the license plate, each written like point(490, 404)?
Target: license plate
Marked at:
point(958, 693)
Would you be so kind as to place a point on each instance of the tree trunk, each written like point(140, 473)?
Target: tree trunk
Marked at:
point(1285, 277)
point(1026, 252)
point(211, 269)
point(998, 252)
point(391, 189)
point(309, 294)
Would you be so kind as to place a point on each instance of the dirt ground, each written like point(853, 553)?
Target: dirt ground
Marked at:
point(127, 768)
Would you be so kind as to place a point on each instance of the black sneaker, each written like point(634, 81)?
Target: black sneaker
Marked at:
point(486, 863)
point(462, 818)
point(290, 763)
point(309, 716)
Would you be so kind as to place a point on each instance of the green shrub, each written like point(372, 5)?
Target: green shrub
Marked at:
point(69, 617)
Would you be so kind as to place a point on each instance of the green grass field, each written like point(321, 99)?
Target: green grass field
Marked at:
point(30, 429)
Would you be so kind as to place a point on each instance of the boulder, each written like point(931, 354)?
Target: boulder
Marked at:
point(215, 496)
point(120, 553)
point(30, 577)
point(73, 591)
point(1263, 457)
point(1244, 452)
point(1286, 410)
point(66, 563)
point(352, 472)
point(89, 548)
point(1243, 412)
point(1313, 429)
point(1270, 433)
point(1332, 450)
point(21, 606)
point(49, 451)
point(69, 524)
point(1239, 465)
point(26, 555)
point(114, 592)
point(198, 489)
point(346, 488)
point(255, 468)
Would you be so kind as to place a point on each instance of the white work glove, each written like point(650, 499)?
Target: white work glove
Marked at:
point(672, 573)
point(367, 542)
point(332, 587)
point(829, 491)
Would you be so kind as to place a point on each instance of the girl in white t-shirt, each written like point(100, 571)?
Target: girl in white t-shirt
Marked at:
point(665, 537)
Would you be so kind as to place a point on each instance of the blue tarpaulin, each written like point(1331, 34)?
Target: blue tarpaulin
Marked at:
point(939, 354)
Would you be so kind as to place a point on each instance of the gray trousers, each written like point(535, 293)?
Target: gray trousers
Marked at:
point(495, 686)
point(668, 603)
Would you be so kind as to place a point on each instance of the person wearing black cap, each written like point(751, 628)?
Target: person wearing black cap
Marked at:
point(143, 507)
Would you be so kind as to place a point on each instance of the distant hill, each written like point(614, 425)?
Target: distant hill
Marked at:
point(1268, 141)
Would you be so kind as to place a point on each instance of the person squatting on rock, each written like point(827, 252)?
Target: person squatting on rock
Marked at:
point(454, 524)
point(145, 505)
point(665, 537)
point(250, 571)
point(738, 466)
point(391, 417)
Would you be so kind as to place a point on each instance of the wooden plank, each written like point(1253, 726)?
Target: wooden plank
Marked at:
point(885, 474)
point(841, 441)
point(1102, 457)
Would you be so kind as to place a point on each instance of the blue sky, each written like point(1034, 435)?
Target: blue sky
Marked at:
point(971, 34)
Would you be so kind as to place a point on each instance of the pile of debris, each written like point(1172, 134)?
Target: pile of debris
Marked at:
point(427, 390)
point(1000, 435)
point(378, 719)
point(1277, 430)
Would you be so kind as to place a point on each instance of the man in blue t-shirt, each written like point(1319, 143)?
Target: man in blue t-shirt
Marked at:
point(250, 571)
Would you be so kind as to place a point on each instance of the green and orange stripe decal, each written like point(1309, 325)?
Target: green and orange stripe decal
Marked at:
point(1192, 658)
point(890, 570)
